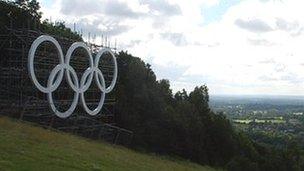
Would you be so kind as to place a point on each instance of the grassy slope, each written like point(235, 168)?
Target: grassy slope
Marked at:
point(27, 147)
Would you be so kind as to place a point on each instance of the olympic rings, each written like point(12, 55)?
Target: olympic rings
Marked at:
point(71, 75)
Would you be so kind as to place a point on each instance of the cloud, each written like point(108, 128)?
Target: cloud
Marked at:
point(113, 8)
point(298, 32)
point(132, 43)
point(292, 78)
point(174, 71)
point(162, 8)
point(80, 7)
point(260, 42)
point(282, 24)
point(280, 67)
point(100, 26)
point(178, 39)
point(120, 9)
point(253, 25)
point(267, 61)
point(289, 78)
point(251, 48)
point(267, 78)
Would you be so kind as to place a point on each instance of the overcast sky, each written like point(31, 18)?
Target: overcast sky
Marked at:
point(233, 46)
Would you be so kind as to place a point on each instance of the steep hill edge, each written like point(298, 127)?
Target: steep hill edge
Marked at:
point(24, 146)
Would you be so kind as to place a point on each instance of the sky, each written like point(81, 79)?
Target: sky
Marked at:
point(235, 47)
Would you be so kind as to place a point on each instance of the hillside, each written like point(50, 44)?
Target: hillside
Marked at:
point(27, 147)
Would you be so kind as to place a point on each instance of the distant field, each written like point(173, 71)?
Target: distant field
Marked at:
point(27, 147)
point(247, 121)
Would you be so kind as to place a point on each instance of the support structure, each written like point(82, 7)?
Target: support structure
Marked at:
point(19, 98)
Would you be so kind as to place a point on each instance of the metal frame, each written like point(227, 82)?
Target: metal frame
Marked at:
point(21, 99)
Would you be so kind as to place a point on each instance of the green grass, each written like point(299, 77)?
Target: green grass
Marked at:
point(24, 146)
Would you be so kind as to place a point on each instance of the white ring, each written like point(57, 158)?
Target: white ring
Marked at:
point(30, 67)
point(64, 65)
point(102, 98)
point(70, 51)
point(50, 95)
point(113, 82)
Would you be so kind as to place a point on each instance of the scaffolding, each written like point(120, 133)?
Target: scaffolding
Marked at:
point(19, 97)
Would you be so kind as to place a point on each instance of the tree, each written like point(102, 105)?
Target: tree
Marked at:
point(200, 98)
point(182, 125)
point(22, 4)
point(33, 8)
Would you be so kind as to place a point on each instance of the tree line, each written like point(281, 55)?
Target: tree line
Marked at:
point(178, 124)
point(25, 14)
point(182, 124)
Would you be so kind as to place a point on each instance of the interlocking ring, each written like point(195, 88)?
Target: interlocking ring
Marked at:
point(71, 75)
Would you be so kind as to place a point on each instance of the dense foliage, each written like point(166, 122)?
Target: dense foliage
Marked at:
point(180, 124)
point(24, 14)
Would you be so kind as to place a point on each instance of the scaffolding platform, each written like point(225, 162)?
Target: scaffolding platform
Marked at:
point(19, 97)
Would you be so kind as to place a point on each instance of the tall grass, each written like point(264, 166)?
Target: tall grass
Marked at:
point(27, 147)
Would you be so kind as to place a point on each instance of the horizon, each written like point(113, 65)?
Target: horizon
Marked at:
point(234, 47)
point(237, 66)
point(256, 96)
